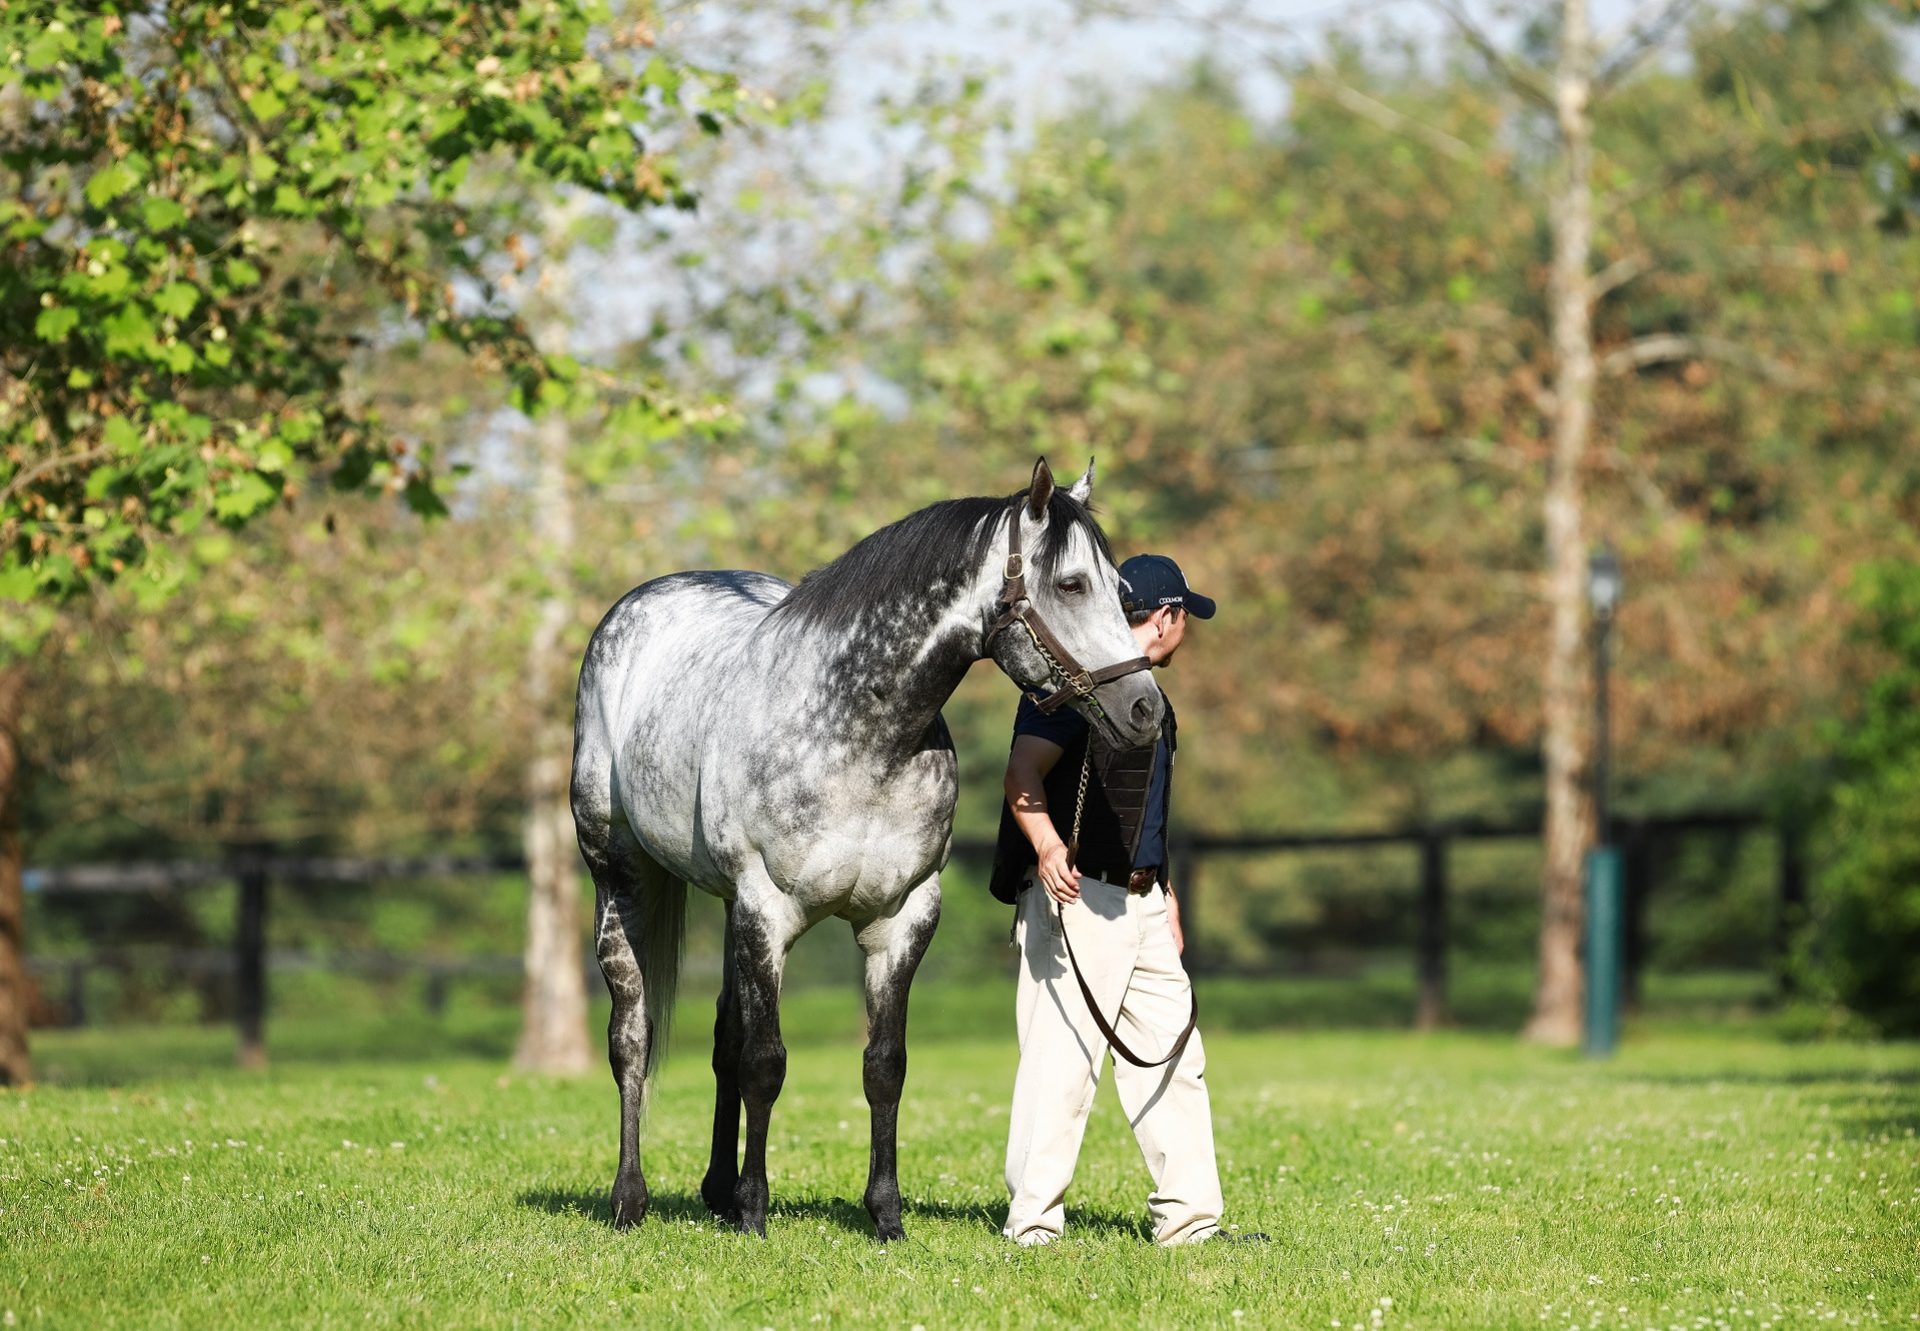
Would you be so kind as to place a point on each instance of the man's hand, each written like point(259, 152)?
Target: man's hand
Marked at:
point(1027, 767)
point(1173, 922)
point(1058, 875)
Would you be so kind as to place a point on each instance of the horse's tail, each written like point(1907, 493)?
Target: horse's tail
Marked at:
point(663, 938)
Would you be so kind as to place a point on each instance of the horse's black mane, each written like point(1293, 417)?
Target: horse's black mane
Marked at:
point(941, 543)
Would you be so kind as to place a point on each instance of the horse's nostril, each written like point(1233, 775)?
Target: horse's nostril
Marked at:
point(1143, 711)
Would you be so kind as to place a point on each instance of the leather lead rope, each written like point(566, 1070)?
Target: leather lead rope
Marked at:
point(1118, 1045)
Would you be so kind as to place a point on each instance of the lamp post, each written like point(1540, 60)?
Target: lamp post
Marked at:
point(1605, 914)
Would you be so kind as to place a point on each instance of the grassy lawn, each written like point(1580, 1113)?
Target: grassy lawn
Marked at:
point(1705, 1178)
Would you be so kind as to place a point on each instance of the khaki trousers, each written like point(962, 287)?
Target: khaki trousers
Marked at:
point(1126, 951)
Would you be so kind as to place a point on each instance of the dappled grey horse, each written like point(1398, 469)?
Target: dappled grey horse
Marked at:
point(782, 748)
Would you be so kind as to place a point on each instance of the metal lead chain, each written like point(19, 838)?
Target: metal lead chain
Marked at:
point(1081, 684)
point(1080, 803)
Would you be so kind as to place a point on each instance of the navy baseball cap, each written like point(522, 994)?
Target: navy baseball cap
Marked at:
point(1148, 582)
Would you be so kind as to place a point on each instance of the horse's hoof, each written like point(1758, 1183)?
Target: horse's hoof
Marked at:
point(718, 1195)
point(629, 1202)
point(750, 1204)
point(883, 1204)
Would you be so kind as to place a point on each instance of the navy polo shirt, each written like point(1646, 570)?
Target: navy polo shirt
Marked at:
point(1064, 728)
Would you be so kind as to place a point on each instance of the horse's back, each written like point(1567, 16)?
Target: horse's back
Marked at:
point(637, 717)
point(672, 627)
point(680, 608)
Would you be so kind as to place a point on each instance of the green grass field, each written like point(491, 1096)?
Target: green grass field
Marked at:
point(395, 1176)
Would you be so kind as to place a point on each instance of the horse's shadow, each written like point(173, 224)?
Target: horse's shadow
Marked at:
point(688, 1208)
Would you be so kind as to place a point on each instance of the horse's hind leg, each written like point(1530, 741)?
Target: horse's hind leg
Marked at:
point(894, 945)
point(622, 873)
point(723, 1167)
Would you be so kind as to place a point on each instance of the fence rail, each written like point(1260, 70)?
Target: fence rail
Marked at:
point(167, 876)
point(1636, 834)
point(252, 872)
point(72, 973)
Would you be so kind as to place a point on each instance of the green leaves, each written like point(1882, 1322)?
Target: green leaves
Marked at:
point(55, 323)
point(423, 499)
point(242, 274)
point(242, 497)
point(1870, 922)
point(194, 191)
point(160, 213)
point(109, 183)
point(176, 299)
point(119, 435)
point(128, 332)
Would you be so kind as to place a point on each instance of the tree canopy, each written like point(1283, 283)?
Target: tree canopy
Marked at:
point(1311, 359)
point(185, 190)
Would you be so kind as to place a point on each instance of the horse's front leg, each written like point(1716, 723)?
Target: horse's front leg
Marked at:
point(893, 945)
point(723, 1165)
point(762, 934)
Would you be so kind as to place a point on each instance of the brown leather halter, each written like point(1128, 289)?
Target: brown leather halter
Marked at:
point(1073, 680)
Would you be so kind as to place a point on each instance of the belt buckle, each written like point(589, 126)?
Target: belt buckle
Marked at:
point(1140, 880)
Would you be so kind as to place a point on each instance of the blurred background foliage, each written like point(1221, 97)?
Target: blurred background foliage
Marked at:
point(1309, 355)
point(1862, 947)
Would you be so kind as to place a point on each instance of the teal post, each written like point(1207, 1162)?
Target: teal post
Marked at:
point(1605, 918)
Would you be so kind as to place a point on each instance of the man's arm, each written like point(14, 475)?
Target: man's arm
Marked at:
point(1027, 769)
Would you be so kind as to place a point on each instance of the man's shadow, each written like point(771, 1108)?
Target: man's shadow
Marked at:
point(851, 1216)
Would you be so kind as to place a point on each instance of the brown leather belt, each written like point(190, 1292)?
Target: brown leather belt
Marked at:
point(1134, 880)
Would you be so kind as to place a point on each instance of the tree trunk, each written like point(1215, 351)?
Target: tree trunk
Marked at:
point(15, 1069)
point(553, 1008)
point(1569, 819)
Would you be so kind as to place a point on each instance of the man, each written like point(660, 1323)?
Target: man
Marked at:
point(1122, 922)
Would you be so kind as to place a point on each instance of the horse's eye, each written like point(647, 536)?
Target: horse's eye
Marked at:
point(1073, 586)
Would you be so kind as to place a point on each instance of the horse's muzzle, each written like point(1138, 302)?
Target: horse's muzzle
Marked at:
point(1134, 709)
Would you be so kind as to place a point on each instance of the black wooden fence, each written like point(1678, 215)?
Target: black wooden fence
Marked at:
point(1637, 837)
point(253, 873)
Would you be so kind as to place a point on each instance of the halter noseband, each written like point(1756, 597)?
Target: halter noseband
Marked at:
point(1074, 680)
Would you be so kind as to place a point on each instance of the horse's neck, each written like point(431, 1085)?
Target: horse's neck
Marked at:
point(886, 677)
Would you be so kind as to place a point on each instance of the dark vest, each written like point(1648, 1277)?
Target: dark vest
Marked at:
point(1117, 785)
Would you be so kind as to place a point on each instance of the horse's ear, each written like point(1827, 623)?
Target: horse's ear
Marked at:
point(1082, 489)
point(1040, 493)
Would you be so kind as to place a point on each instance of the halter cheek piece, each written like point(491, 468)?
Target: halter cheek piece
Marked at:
point(1071, 679)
